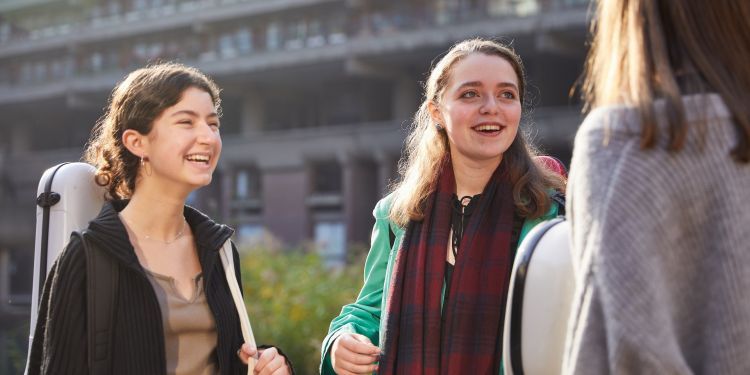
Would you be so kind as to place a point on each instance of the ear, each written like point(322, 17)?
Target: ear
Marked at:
point(436, 114)
point(135, 142)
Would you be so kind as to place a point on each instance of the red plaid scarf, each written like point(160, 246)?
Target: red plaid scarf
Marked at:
point(467, 337)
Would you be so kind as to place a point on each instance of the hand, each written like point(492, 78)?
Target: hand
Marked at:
point(353, 354)
point(269, 361)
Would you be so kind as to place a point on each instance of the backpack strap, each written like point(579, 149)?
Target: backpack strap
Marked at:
point(102, 276)
point(559, 198)
point(391, 236)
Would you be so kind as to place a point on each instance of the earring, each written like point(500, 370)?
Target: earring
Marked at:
point(146, 170)
point(438, 127)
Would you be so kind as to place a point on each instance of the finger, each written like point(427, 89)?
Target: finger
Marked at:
point(359, 344)
point(274, 365)
point(359, 369)
point(243, 356)
point(361, 338)
point(250, 350)
point(357, 358)
point(284, 370)
point(266, 355)
point(340, 371)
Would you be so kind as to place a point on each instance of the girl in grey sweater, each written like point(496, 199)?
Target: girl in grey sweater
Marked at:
point(659, 192)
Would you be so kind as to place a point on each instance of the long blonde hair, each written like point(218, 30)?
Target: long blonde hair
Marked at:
point(644, 50)
point(426, 146)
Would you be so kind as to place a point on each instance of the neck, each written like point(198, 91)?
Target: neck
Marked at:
point(472, 176)
point(158, 216)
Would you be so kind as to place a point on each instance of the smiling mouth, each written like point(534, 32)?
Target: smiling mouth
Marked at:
point(198, 158)
point(488, 128)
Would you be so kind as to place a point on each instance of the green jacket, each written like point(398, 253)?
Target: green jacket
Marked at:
point(363, 316)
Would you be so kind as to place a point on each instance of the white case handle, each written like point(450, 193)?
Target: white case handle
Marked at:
point(227, 260)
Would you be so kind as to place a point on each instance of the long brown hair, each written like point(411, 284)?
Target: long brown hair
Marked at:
point(426, 147)
point(644, 50)
point(135, 103)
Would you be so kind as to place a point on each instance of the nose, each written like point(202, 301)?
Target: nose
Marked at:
point(206, 134)
point(490, 105)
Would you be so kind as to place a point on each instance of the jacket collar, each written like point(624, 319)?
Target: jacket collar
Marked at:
point(108, 231)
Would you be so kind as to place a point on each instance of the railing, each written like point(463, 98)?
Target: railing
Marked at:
point(230, 40)
point(114, 13)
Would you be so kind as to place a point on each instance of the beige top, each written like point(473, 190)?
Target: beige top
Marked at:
point(189, 329)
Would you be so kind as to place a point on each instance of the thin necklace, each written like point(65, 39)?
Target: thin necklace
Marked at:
point(177, 237)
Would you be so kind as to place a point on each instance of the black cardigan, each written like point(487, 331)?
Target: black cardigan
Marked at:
point(60, 340)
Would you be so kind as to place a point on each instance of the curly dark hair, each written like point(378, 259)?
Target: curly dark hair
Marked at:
point(135, 103)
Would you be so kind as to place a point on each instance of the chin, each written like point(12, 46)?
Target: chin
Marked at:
point(201, 182)
point(486, 156)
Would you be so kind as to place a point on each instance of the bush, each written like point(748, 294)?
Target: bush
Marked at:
point(16, 343)
point(292, 297)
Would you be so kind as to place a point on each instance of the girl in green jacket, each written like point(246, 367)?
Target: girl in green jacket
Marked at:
point(437, 275)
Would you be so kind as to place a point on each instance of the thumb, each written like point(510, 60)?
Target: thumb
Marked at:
point(249, 350)
point(368, 347)
point(361, 338)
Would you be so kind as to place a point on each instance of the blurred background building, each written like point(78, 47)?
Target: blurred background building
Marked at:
point(317, 98)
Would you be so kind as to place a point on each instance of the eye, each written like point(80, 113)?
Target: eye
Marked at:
point(468, 94)
point(185, 122)
point(214, 124)
point(508, 95)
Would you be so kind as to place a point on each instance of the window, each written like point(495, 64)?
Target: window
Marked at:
point(226, 46)
point(244, 40)
point(250, 234)
point(273, 36)
point(246, 183)
point(315, 36)
point(330, 240)
point(326, 177)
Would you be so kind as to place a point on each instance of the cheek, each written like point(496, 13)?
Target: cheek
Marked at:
point(219, 144)
point(458, 117)
point(513, 115)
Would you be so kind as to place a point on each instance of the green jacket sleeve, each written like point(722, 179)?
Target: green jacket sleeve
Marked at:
point(363, 315)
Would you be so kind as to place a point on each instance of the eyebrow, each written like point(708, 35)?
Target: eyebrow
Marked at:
point(478, 84)
point(192, 113)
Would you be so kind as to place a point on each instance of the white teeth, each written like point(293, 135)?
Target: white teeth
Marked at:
point(203, 158)
point(487, 128)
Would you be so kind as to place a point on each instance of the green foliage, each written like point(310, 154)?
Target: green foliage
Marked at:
point(16, 341)
point(292, 297)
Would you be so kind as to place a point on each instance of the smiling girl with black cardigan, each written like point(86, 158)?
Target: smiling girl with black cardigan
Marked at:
point(173, 311)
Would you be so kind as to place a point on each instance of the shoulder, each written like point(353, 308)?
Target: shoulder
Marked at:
point(67, 276)
point(625, 121)
point(382, 215)
point(618, 120)
point(383, 207)
point(72, 256)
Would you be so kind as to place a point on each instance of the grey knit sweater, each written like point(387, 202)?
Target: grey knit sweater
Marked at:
point(660, 248)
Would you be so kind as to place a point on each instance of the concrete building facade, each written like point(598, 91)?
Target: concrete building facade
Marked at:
point(317, 97)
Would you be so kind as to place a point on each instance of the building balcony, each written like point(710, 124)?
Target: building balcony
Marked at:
point(234, 52)
point(176, 14)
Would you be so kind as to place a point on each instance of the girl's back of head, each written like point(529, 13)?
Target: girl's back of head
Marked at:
point(645, 50)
